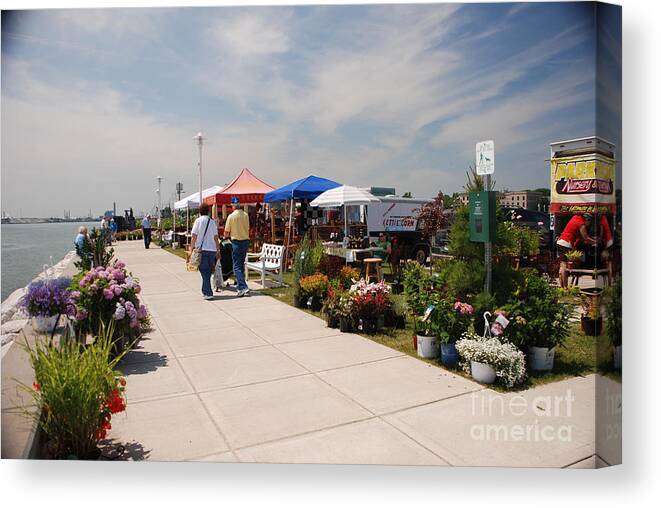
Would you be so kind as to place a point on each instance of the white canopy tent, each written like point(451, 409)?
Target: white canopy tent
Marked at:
point(193, 201)
point(344, 195)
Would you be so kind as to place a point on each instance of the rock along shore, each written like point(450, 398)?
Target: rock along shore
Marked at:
point(12, 318)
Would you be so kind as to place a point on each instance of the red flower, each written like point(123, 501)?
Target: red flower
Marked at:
point(36, 386)
point(115, 402)
point(122, 381)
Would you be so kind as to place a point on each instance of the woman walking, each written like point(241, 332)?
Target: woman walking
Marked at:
point(204, 236)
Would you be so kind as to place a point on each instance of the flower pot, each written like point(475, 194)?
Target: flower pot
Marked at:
point(617, 357)
point(591, 327)
point(44, 323)
point(449, 354)
point(483, 373)
point(368, 325)
point(427, 346)
point(541, 358)
point(315, 303)
point(346, 325)
point(332, 321)
point(300, 301)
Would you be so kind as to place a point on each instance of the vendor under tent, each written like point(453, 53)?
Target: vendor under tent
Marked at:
point(306, 188)
point(345, 196)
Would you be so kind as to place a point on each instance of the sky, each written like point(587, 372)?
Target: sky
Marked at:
point(97, 103)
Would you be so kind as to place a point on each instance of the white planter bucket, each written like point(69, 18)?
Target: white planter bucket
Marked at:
point(44, 323)
point(541, 358)
point(483, 373)
point(617, 357)
point(427, 346)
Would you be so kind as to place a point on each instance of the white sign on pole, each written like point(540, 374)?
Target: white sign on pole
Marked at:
point(485, 157)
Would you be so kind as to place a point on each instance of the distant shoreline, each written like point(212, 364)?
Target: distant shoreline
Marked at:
point(37, 220)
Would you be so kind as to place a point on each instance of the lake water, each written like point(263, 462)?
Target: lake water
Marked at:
point(26, 248)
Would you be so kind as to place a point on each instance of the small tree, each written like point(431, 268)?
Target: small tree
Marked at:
point(475, 182)
point(431, 217)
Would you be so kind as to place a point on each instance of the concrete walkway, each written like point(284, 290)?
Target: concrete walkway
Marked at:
point(255, 380)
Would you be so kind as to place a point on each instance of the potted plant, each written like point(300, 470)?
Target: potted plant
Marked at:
point(345, 313)
point(538, 320)
point(370, 302)
point(109, 294)
point(314, 287)
point(449, 321)
point(490, 359)
point(574, 258)
point(591, 320)
point(78, 391)
point(614, 321)
point(331, 308)
point(46, 300)
point(306, 261)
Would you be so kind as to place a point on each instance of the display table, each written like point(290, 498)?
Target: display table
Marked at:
point(573, 274)
point(349, 255)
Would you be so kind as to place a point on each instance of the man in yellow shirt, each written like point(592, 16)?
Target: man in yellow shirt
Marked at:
point(237, 227)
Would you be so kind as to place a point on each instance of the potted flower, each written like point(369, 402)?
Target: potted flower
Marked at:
point(345, 313)
point(574, 258)
point(591, 320)
point(538, 320)
point(370, 302)
point(46, 300)
point(449, 321)
point(614, 321)
point(490, 359)
point(331, 308)
point(348, 276)
point(109, 294)
point(314, 287)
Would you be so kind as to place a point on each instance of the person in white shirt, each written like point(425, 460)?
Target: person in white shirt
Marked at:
point(204, 236)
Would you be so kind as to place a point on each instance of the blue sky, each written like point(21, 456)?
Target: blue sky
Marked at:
point(97, 103)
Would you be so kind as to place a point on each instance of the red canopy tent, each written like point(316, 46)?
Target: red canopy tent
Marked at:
point(247, 187)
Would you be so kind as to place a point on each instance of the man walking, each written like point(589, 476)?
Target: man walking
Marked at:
point(146, 231)
point(237, 227)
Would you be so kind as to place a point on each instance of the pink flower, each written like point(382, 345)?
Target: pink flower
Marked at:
point(75, 295)
point(81, 315)
point(94, 286)
point(117, 290)
point(108, 294)
point(118, 275)
point(142, 312)
point(133, 323)
point(120, 264)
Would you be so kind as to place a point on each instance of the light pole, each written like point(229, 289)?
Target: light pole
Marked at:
point(199, 139)
point(158, 191)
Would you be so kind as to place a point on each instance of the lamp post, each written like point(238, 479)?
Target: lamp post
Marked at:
point(158, 191)
point(199, 139)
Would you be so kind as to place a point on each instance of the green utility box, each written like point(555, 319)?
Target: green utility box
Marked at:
point(482, 208)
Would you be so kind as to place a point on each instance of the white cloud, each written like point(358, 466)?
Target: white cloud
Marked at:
point(252, 35)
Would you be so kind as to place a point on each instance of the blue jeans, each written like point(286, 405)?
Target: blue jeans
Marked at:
point(146, 236)
point(239, 251)
point(207, 267)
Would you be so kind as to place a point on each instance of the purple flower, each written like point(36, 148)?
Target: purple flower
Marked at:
point(81, 315)
point(120, 264)
point(142, 312)
point(118, 275)
point(108, 294)
point(47, 297)
point(133, 323)
point(117, 290)
point(75, 295)
point(120, 312)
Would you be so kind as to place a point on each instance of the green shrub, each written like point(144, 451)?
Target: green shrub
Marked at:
point(306, 260)
point(537, 317)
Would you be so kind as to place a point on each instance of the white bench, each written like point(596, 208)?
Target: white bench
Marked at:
point(270, 260)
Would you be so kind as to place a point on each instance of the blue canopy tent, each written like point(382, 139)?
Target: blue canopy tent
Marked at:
point(306, 188)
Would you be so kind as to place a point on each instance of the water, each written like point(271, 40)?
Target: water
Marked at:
point(26, 248)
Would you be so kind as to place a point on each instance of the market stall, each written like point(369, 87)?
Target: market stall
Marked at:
point(583, 202)
point(250, 192)
point(303, 190)
point(193, 201)
point(345, 197)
